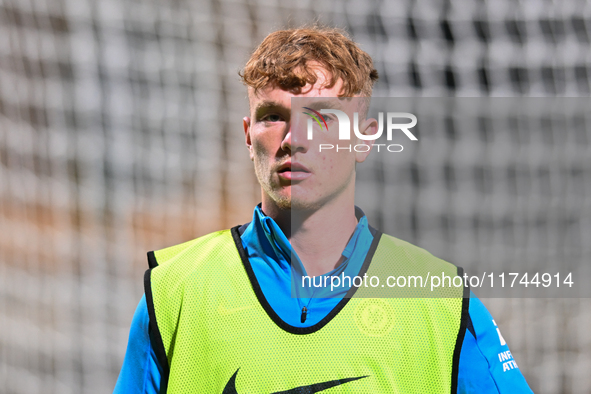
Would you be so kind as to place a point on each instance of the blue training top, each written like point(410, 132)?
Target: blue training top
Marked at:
point(486, 365)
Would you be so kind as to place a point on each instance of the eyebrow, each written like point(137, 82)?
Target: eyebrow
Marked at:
point(327, 104)
point(318, 105)
point(266, 104)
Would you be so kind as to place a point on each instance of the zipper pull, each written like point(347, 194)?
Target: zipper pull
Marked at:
point(304, 313)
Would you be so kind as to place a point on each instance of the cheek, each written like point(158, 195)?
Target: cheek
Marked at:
point(266, 142)
point(260, 147)
point(337, 165)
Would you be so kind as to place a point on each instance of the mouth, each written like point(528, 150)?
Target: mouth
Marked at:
point(294, 171)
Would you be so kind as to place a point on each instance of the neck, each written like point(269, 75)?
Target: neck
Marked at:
point(318, 236)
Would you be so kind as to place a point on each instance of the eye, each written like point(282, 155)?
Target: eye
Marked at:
point(272, 118)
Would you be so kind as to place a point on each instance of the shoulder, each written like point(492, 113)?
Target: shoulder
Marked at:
point(201, 261)
point(413, 256)
point(206, 244)
point(404, 246)
point(193, 260)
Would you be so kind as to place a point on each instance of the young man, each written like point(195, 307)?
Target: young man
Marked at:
point(218, 315)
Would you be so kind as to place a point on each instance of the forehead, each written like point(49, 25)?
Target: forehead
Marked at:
point(318, 89)
point(280, 100)
point(273, 92)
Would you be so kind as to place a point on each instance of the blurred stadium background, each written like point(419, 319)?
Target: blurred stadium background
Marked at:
point(120, 132)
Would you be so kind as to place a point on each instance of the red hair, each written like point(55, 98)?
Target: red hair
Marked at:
point(287, 58)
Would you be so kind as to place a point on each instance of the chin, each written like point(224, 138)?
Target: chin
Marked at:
point(284, 199)
point(305, 205)
point(295, 204)
point(283, 203)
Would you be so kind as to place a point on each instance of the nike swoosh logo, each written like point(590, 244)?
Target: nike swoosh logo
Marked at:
point(310, 389)
point(222, 310)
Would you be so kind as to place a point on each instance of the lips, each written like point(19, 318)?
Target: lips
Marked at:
point(293, 167)
point(294, 171)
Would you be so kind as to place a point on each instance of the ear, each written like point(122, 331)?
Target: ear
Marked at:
point(246, 125)
point(366, 127)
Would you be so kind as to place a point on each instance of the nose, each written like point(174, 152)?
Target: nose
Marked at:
point(296, 138)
